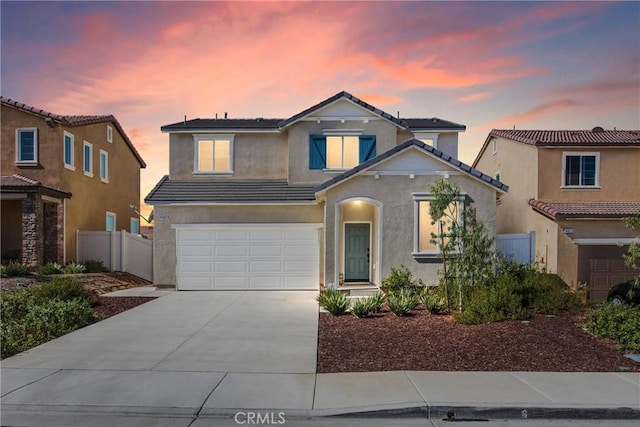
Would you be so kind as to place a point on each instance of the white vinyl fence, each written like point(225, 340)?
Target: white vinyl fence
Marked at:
point(519, 248)
point(118, 251)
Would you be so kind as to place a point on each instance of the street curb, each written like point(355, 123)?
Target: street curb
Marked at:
point(486, 413)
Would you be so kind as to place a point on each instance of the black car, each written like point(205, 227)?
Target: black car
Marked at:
point(624, 293)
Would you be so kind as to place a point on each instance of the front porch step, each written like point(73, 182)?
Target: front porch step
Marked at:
point(360, 291)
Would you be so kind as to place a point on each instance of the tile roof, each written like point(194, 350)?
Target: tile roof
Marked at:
point(411, 143)
point(566, 210)
point(542, 138)
point(75, 121)
point(20, 184)
point(222, 191)
point(413, 124)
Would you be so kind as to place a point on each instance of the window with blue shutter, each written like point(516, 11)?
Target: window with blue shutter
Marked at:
point(317, 152)
point(27, 145)
point(68, 150)
point(340, 152)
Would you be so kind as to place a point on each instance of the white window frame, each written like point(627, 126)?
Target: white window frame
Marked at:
point(115, 225)
point(417, 198)
point(341, 135)
point(72, 165)
point(89, 172)
point(212, 137)
point(19, 161)
point(104, 179)
point(424, 137)
point(494, 145)
point(109, 134)
point(132, 221)
point(566, 154)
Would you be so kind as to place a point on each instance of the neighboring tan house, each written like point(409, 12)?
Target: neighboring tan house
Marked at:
point(61, 174)
point(335, 194)
point(571, 188)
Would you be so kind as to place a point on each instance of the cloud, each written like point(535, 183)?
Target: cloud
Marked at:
point(473, 97)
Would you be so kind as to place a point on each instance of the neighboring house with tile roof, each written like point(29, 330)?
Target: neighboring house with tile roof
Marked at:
point(335, 194)
point(61, 174)
point(572, 188)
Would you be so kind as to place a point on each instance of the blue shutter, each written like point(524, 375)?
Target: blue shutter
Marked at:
point(67, 150)
point(317, 152)
point(367, 147)
point(27, 146)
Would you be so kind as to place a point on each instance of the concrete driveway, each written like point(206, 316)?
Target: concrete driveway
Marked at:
point(220, 331)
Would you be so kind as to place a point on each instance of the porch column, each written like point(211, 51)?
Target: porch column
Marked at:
point(32, 230)
point(53, 241)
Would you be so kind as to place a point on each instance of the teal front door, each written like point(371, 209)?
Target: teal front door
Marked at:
point(356, 252)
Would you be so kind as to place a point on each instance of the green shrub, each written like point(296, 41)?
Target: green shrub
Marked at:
point(50, 268)
point(29, 320)
point(620, 323)
point(376, 302)
point(334, 301)
point(401, 305)
point(93, 266)
point(64, 289)
point(493, 304)
point(74, 268)
point(434, 304)
point(361, 308)
point(400, 278)
point(16, 269)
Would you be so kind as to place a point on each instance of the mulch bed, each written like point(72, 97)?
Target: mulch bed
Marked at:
point(427, 342)
point(110, 306)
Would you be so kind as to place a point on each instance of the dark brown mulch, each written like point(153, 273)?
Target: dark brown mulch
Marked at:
point(426, 342)
point(109, 306)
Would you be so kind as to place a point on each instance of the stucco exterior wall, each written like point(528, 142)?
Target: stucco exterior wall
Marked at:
point(164, 241)
point(448, 143)
point(255, 156)
point(299, 172)
point(618, 175)
point(518, 167)
point(91, 198)
point(395, 193)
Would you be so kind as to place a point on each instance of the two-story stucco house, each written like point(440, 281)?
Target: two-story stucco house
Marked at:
point(61, 174)
point(571, 188)
point(337, 193)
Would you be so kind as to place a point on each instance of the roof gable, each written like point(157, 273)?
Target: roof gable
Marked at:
point(340, 98)
point(75, 121)
point(428, 150)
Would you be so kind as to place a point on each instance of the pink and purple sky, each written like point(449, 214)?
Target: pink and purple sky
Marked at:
point(532, 65)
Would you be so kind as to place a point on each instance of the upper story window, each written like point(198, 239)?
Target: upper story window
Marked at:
point(213, 153)
point(68, 149)
point(87, 161)
point(340, 151)
point(27, 146)
point(494, 145)
point(104, 166)
point(580, 169)
point(426, 231)
point(109, 134)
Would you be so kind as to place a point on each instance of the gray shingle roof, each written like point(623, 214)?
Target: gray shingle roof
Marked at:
point(605, 209)
point(21, 184)
point(222, 124)
point(417, 124)
point(414, 142)
point(75, 121)
point(223, 191)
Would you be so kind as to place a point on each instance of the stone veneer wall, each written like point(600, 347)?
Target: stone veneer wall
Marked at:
point(53, 242)
point(32, 230)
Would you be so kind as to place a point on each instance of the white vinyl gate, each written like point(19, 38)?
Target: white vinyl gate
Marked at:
point(247, 256)
point(519, 247)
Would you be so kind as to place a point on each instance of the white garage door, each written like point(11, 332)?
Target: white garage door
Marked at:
point(248, 256)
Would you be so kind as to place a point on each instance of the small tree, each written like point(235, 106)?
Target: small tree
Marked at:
point(632, 256)
point(465, 245)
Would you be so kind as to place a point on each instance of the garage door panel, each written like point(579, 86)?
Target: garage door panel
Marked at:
point(268, 235)
point(232, 235)
point(231, 250)
point(196, 267)
point(231, 266)
point(265, 266)
point(195, 236)
point(249, 257)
